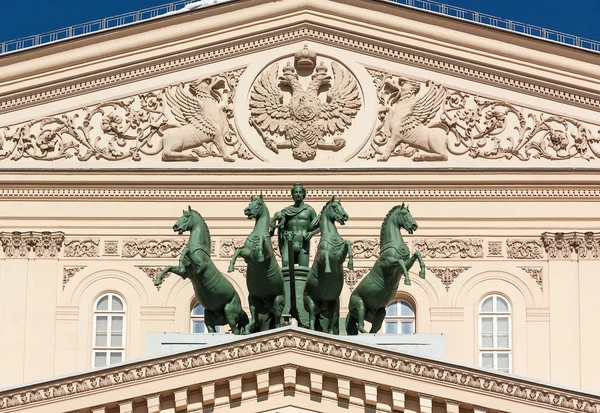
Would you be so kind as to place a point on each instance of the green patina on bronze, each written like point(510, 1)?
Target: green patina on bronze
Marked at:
point(263, 278)
point(326, 278)
point(378, 288)
point(295, 223)
point(214, 292)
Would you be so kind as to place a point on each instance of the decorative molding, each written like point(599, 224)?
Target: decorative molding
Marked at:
point(229, 245)
point(152, 273)
point(537, 273)
point(304, 119)
point(560, 245)
point(494, 249)
point(138, 126)
point(82, 247)
point(353, 277)
point(153, 248)
point(43, 244)
point(244, 194)
point(447, 274)
point(397, 364)
point(449, 248)
point(310, 32)
point(111, 247)
point(69, 272)
point(524, 249)
point(365, 248)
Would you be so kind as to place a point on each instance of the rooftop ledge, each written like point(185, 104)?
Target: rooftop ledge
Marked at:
point(184, 6)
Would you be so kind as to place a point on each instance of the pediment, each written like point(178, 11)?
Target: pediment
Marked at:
point(295, 368)
point(250, 103)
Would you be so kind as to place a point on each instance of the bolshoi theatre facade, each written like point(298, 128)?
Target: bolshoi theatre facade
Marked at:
point(491, 137)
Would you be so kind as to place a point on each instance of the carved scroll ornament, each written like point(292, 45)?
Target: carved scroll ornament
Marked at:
point(85, 247)
point(524, 249)
point(304, 117)
point(185, 122)
point(425, 121)
point(447, 275)
point(449, 248)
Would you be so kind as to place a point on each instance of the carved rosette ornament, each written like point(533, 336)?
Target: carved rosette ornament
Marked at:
point(43, 244)
point(426, 121)
point(183, 122)
point(449, 248)
point(303, 106)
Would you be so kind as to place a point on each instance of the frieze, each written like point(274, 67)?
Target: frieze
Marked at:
point(69, 272)
point(153, 248)
point(152, 273)
point(365, 248)
point(229, 245)
point(561, 245)
point(524, 249)
point(447, 275)
point(183, 122)
point(83, 247)
point(449, 248)
point(400, 365)
point(494, 249)
point(426, 121)
point(44, 244)
point(111, 247)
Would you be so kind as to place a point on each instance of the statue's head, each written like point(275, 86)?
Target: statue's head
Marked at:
point(404, 219)
point(298, 192)
point(254, 208)
point(185, 223)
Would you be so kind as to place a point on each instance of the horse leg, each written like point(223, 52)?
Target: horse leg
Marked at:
point(236, 254)
point(402, 265)
point(327, 262)
point(253, 315)
point(179, 270)
point(210, 320)
point(333, 314)
point(309, 305)
point(233, 310)
point(419, 258)
point(277, 311)
point(350, 255)
point(377, 320)
point(357, 304)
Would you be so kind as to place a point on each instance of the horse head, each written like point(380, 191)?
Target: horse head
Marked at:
point(186, 222)
point(404, 219)
point(334, 211)
point(255, 207)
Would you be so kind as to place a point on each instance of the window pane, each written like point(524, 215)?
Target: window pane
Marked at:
point(391, 328)
point(101, 339)
point(102, 323)
point(487, 360)
point(487, 325)
point(392, 309)
point(198, 327)
point(117, 304)
point(115, 358)
point(116, 324)
point(103, 304)
point(501, 305)
point(406, 327)
point(488, 305)
point(101, 331)
point(198, 310)
point(502, 341)
point(406, 310)
point(503, 362)
point(100, 359)
point(502, 325)
point(116, 340)
point(487, 341)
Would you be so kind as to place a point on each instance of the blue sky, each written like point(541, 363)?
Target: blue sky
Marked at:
point(30, 17)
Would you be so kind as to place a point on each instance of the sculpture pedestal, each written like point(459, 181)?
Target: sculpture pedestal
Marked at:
point(300, 275)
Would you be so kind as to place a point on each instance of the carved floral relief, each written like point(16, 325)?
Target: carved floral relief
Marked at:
point(426, 121)
point(182, 122)
point(303, 106)
point(449, 248)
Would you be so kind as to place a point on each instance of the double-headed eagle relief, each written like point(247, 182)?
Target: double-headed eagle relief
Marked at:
point(304, 118)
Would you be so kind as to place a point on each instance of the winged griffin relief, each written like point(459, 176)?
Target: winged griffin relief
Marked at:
point(184, 122)
point(425, 121)
point(290, 115)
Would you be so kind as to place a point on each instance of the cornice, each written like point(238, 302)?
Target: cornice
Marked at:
point(310, 344)
point(210, 53)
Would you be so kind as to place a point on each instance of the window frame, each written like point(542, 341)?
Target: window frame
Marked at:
point(494, 315)
point(399, 318)
point(110, 313)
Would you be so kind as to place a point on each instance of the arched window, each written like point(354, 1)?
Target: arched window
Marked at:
point(495, 334)
point(109, 330)
point(197, 320)
point(399, 318)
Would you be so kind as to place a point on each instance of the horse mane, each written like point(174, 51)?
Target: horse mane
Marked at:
point(317, 220)
point(385, 220)
point(205, 226)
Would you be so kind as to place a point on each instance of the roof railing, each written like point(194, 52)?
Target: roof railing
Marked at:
point(427, 5)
